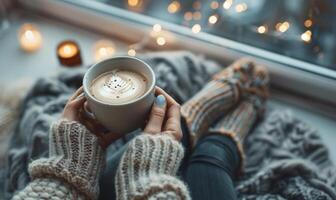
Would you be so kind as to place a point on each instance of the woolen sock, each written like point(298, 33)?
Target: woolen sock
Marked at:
point(239, 121)
point(217, 97)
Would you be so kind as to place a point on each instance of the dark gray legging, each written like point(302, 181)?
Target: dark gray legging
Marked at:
point(208, 171)
point(211, 168)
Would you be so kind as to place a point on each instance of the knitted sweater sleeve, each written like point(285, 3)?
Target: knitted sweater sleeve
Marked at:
point(148, 168)
point(72, 169)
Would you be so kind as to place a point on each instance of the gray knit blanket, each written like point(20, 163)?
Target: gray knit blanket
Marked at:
point(286, 159)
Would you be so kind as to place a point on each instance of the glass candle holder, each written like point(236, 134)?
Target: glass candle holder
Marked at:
point(30, 39)
point(68, 53)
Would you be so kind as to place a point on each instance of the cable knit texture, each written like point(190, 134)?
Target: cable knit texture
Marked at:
point(75, 159)
point(215, 98)
point(236, 125)
point(241, 79)
point(148, 167)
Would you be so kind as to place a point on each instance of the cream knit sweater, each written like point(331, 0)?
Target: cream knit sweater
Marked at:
point(147, 169)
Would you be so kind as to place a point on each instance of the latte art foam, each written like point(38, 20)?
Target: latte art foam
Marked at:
point(119, 86)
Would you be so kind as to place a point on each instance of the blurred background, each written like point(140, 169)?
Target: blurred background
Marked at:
point(295, 39)
point(303, 29)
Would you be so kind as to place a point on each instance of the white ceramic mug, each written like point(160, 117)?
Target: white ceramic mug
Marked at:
point(125, 117)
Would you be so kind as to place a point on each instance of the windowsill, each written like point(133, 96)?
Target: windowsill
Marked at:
point(44, 62)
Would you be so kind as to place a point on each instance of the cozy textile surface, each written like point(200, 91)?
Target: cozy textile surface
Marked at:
point(286, 159)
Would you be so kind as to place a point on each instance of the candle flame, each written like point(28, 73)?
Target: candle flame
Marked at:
point(29, 37)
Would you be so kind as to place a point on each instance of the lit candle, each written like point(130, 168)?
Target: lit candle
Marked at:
point(103, 49)
point(68, 53)
point(29, 37)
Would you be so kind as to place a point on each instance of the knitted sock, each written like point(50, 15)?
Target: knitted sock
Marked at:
point(206, 106)
point(221, 94)
point(239, 121)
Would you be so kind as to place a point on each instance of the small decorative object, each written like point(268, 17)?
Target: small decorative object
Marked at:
point(29, 37)
point(68, 53)
point(103, 49)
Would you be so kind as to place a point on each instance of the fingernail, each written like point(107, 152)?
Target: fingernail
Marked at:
point(160, 100)
point(80, 96)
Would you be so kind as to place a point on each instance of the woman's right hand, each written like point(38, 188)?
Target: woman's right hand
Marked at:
point(165, 117)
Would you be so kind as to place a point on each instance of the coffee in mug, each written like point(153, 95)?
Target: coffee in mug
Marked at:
point(119, 86)
point(120, 93)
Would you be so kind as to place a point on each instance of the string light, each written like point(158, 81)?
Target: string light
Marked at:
point(306, 36)
point(197, 15)
point(174, 6)
point(197, 5)
point(161, 41)
point(131, 52)
point(133, 3)
point(241, 7)
point(157, 28)
point(104, 49)
point(188, 16)
point(227, 4)
point(282, 27)
point(308, 23)
point(196, 28)
point(213, 19)
point(262, 29)
point(214, 5)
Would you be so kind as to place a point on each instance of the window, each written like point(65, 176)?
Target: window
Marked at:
point(301, 29)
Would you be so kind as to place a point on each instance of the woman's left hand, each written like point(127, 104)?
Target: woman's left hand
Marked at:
point(165, 116)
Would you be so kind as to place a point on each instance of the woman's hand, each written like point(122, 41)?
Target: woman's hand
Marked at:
point(165, 116)
point(73, 111)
